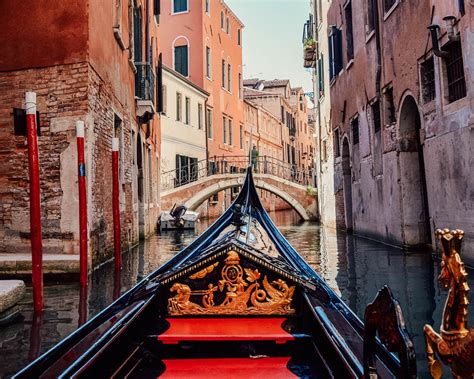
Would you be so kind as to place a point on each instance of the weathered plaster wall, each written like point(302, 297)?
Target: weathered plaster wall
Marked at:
point(391, 182)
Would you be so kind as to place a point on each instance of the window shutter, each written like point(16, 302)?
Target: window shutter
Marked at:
point(331, 57)
point(156, 7)
point(159, 85)
point(321, 75)
point(338, 51)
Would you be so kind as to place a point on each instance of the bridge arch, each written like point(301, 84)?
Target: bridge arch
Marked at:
point(195, 201)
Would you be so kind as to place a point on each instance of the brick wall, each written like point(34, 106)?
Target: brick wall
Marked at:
point(61, 99)
point(65, 94)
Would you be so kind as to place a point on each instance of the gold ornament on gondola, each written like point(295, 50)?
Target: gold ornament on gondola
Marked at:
point(455, 344)
point(244, 295)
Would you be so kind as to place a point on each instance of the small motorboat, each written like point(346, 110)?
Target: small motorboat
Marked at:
point(178, 218)
point(239, 301)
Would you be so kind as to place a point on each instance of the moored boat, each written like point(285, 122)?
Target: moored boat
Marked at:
point(238, 301)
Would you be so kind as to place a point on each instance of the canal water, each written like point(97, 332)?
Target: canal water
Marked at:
point(356, 268)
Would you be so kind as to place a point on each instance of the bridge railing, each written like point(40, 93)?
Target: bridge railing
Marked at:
point(196, 170)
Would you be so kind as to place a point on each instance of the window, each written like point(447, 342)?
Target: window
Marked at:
point(229, 78)
point(207, 7)
point(240, 86)
point(208, 61)
point(188, 111)
point(376, 116)
point(231, 132)
point(181, 59)
point(321, 76)
point(186, 170)
point(355, 131)
point(210, 132)
point(241, 136)
point(371, 4)
point(227, 25)
point(455, 71)
point(222, 20)
point(349, 36)
point(427, 74)
point(388, 4)
point(156, 10)
point(337, 150)
point(165, 102)
point(335, 52)
point(282, 114)
point(224, 129)
point(179, 107)
point(199, 116)
point(301, 102)
point(223, 73)
point(239, 36)
point(180, 6)
point(389, 106)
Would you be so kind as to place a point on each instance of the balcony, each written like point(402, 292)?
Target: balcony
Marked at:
point(145, 91)
point(309, 53)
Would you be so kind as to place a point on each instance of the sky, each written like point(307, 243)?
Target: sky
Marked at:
point(272, 47)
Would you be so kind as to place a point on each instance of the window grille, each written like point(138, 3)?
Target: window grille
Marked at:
point(428, 88)
point(376, 116)
point(355, 131)
point(455, 72)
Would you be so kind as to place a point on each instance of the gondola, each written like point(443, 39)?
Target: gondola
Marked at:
point(237, 302)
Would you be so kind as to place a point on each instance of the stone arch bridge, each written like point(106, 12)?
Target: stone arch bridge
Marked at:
point(194, 193)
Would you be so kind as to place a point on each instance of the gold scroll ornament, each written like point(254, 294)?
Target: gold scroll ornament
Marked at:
point(244, 296)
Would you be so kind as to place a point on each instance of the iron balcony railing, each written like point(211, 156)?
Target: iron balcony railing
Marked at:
point(145, 81)
point(235, 165)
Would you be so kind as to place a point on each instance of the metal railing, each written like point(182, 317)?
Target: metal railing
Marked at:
point(234, 165)
point(145, 81)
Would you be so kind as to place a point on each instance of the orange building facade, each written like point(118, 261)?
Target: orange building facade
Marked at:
point(95, 61)
point(202, 39)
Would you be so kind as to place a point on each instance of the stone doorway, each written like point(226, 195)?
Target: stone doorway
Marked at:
point(347, 184)
point(415, 211)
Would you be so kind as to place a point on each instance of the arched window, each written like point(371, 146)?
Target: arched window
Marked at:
point(222, 20)
point(181, 55)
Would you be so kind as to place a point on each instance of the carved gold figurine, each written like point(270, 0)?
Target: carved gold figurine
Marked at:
point(455, 344)
point(243, 295)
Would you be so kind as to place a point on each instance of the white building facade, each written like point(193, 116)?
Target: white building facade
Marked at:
point(183, 132)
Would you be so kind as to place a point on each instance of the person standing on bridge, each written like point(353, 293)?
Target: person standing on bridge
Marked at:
point(254, 157)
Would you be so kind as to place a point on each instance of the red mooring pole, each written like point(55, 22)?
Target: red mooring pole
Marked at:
point(115, 203)
point(81, 173)
point(35, 208)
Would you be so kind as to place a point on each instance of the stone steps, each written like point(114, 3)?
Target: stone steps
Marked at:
point(20, 264)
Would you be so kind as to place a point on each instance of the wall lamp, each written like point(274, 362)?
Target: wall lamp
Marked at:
point(453, 34)
point(433, 28)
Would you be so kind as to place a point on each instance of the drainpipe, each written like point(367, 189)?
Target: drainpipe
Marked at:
point(378, 72)
point(433, 28)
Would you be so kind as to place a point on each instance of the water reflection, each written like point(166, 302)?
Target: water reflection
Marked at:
point(355, 268)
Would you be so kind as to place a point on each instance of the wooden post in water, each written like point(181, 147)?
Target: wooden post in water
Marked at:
point(81, 173)
point(116, 204)
point(35, 207)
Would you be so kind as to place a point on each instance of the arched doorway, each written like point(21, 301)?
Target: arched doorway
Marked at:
point(415, 211)
point(347, 184)
point(140, 188)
